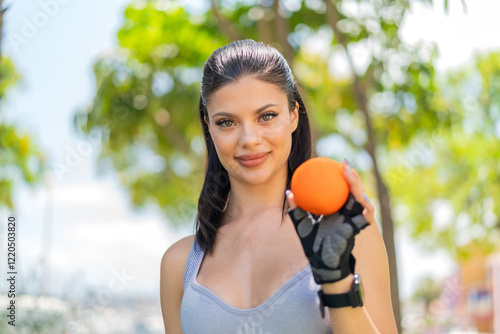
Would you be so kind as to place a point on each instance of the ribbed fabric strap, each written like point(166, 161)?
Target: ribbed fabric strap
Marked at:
point(191, 262)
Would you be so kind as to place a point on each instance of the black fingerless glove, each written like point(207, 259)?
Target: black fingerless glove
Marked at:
point(329, 242)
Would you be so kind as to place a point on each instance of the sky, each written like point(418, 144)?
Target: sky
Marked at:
point(94, 231)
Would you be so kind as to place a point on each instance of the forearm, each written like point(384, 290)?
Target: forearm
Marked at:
point(348, 319)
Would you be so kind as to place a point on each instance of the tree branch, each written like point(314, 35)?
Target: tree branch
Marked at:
point(171, 134)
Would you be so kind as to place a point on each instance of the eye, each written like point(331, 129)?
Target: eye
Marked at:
point(226, 122)
point(223, 121)
point(269, 116)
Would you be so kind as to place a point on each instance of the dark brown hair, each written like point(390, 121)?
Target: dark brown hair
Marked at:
point(228, 64)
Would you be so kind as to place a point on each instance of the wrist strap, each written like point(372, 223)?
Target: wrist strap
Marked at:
point(352, 298)
point(338, 300)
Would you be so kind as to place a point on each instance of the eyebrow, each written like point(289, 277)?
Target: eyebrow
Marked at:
point(223, 113)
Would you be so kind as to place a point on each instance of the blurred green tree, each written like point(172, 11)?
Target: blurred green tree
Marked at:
point(20, 159)
point(454, 172)
point(369, 92)
point(427, 290)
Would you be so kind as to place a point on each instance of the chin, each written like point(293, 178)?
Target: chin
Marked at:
point(262, 177)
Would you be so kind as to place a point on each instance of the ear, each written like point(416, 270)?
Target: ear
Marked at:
point(294, 116)
point(208, 123)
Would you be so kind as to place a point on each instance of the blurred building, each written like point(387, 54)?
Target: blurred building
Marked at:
point(494, 263)
point(478, 289)
point(469, 301)
point(476, 299)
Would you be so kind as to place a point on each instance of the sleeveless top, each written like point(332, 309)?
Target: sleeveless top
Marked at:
point(293, 308)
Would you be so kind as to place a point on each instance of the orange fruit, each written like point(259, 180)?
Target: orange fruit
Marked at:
point(319, 186)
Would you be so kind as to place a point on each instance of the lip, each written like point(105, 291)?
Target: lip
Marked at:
point(252, 160)
point(252, 156)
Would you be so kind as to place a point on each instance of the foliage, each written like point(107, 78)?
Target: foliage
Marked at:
point(371, 98)
point(453, 174)
point(20, 158)
point(427, 290)
point(147, 101)
point(148, 89)
point(8, 75)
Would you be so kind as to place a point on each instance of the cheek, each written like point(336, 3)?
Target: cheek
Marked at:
point(222, 145)
point(282, 132)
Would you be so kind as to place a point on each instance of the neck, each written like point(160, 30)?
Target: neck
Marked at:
point(249, 201)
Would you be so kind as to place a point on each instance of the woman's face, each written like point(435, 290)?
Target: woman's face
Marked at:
point(251, 117)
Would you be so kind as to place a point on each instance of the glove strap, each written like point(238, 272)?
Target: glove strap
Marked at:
point(352, 263)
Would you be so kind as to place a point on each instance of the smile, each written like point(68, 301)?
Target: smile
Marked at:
point(253, 162)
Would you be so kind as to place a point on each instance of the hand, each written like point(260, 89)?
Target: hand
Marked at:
point(328, 244)
point(358, 190)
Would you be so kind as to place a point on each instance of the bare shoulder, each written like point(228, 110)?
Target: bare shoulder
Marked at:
point(175, 257)
point(173, 264)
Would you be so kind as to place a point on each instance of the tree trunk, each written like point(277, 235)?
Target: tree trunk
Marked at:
point(225, 27)
point(263, 27)
point(383, 194)
point(282, 30)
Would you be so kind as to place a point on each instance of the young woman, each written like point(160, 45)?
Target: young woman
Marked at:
point(257, 262)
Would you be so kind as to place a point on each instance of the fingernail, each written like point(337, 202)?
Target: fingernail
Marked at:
point(287, 192)
point(347, 166)
point(348, 169)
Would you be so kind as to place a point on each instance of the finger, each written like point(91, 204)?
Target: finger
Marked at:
point(358, 191)
point(346, 163)
point(367, 204)
point(290, 200)
point(369, 213)
point(355, 184)
point(369, 208)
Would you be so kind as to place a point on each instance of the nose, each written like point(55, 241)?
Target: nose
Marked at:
point(250, 135)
